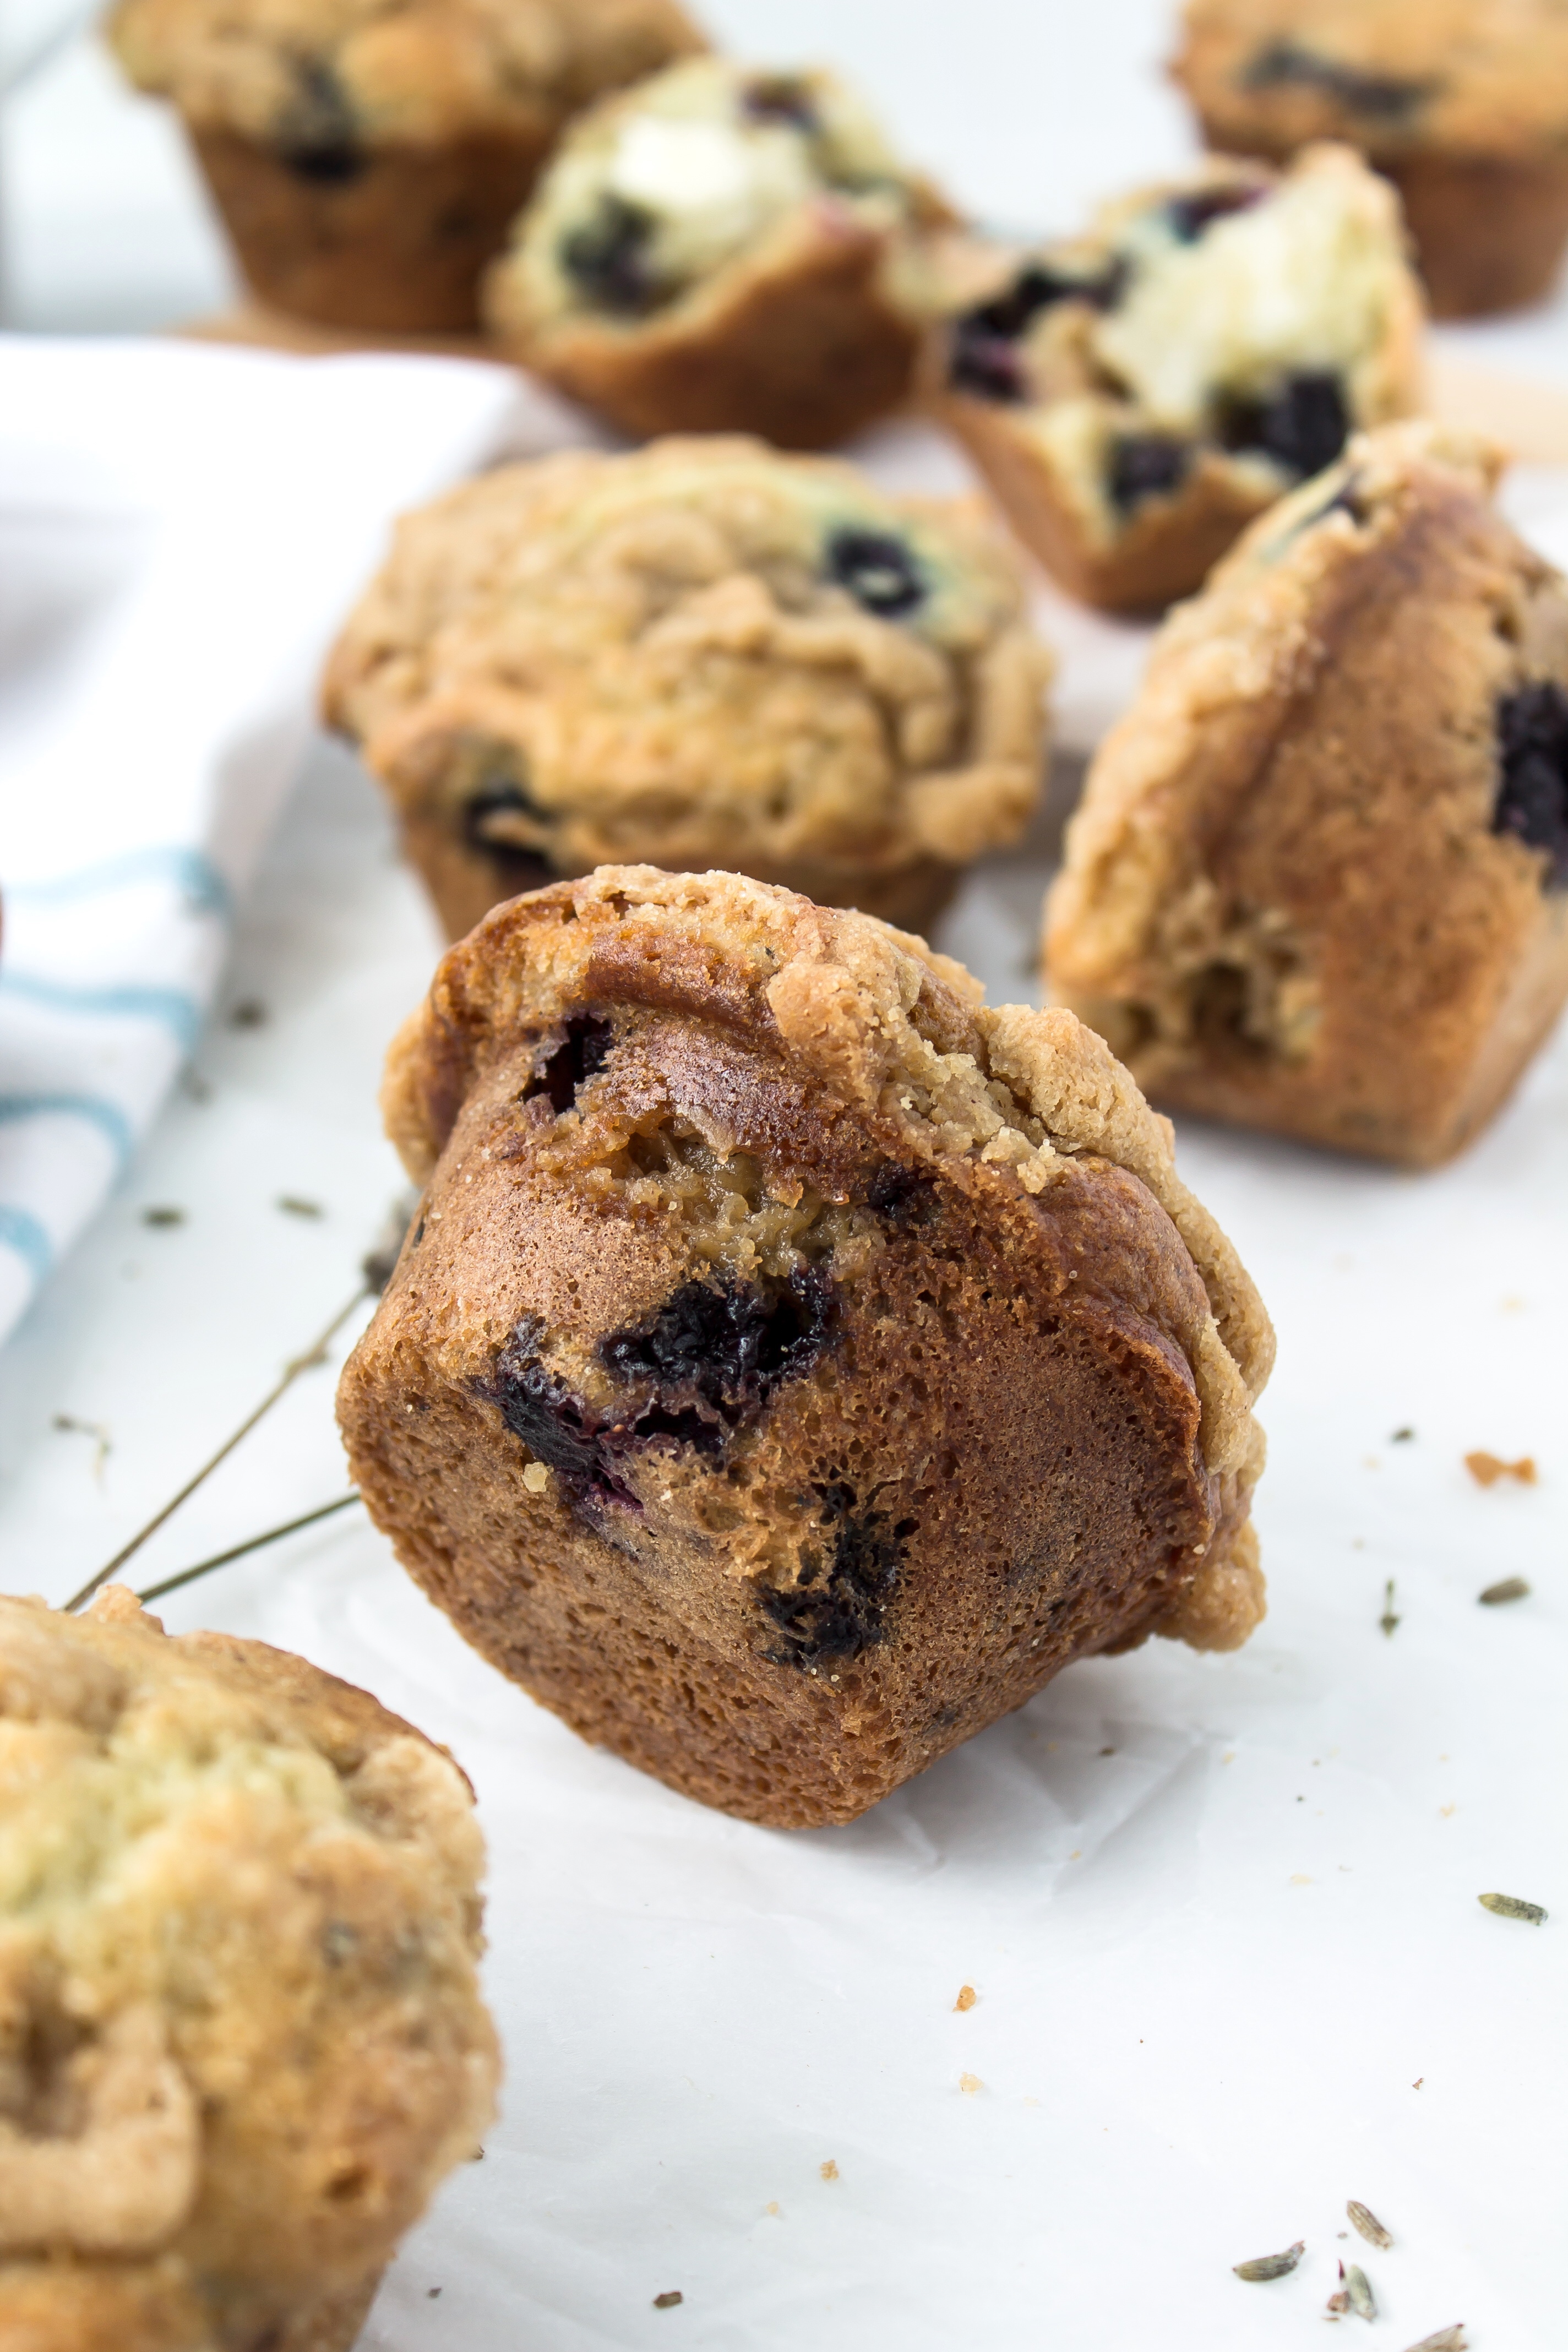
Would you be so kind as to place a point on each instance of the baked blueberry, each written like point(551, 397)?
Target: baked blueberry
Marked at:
point(1532, 796)
point(836, 1366)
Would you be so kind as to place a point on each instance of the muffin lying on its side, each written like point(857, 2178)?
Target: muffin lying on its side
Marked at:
point(795, 1363)
point(702, 652)
point(1319, 878)
point(1462, 104)
point(241, 2037)
point(724, 250)
point(369, 155)
point(1135, 397)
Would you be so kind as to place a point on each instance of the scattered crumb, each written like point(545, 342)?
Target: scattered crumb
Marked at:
point(1076, 1854)
point(248, 1013)
point(1513, 1588)
point(967, 1997)
point(1229, 1756)
point(1514, 1304)
point(1486, 1469)
point(1447, 1812)
point(536, 1477)
point(668, 2299)
point(1417, 2083)
point(432, 2292)
point(1107, 1751)
point(1372, 1461)
point(163, 1216)
point(1358, 1543)
point(772, 2207)
point(1031, 2103)
point(829, 2170)
point(1400, 1437)
point(1300, 1879)
point(969, 2084)
point(293, 1206)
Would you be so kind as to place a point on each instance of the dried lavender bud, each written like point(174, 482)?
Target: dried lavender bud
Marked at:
point(1271, 2266)
point(1367, 2222)
point(1358, 2294)
point(1513, 1588)
point(1513, 1906)
point(1446, 2339)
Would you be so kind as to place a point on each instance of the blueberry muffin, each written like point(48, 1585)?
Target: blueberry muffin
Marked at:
point(241, 2037)
point(1135, 397)
point(1463, 103)
point(794, 1363)
point(369, 155)
point(724, 250)
point(1319, 880)
point(701, 652)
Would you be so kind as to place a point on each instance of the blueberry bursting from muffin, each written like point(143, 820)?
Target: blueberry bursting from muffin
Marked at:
point(1137, 394)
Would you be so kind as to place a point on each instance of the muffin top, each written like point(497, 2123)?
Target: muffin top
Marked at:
point(1196, 301)
point(1474, 77)
point(885, 1047)
point(655, 193)
point(735, 651)
point(241, 2038)
point(311, 78)
point(1404, 529)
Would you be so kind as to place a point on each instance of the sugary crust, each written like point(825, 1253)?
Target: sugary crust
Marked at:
point(1043, 1372)
point(1052, 490)
point(1284, 899)
point(1460, 77)
point(804, 340)
point(651, 649)
point(241, 2039)
point(412, 73)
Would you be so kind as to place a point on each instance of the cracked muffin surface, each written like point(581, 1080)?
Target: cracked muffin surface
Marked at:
point(1319, 878)
point(703, 653)
point(795, 1363)
point(1463, 103)
point(369, 155)
point(724, 249)
point(1136, 396)
point(241, 2038)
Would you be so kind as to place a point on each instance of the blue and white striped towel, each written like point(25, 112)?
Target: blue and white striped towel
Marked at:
point(181, 530)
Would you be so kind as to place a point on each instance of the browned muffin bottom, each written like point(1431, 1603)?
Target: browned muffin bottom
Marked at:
point(241, 2038)
point(1319, 878)
point(795, 1363)
point(1460, 103)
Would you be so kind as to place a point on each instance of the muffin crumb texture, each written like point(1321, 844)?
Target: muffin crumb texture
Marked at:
point(877, 1360)
point(241, 2039)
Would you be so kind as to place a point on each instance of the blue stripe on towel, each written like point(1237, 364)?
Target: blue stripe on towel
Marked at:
point(21, 1231)
point(192, 873)
point(96, 1109)
point(173, 1006)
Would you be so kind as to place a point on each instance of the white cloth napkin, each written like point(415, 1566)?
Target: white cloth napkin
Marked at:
point(181, 530)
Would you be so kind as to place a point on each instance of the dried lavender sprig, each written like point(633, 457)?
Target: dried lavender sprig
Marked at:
point(251, 1543)
point(1446, 2339)
point(1367, 2222)
point(1359, 2294)
point(1513, 1906)
point(1271, 2266)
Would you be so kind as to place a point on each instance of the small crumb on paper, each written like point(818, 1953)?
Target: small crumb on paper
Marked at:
point(1486, 1469)
point(772, 2208)
point(969, 2084)
point(829, 2170)
point(668, 2299)
point(1299, 1878)
point(967, 1997)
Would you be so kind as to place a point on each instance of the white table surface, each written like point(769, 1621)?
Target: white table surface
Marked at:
point(1230, 1973)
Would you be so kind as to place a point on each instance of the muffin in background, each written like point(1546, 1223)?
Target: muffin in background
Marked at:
point(797, 1362)
point(701, 652)
point(1137, 394)
point(1318, 882)
point(241, 2034)
point(369, 155)
point(1462, 104)
point(723, 249)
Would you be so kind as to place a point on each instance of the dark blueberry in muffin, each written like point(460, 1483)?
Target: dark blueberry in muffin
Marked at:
point(580, 1055)
point(878, 570)
point(1533, 797)
point(779, 97)
point(1145, 465)
point(1303, 425)
point(1381, 98)
point(983, 358)
point(489, 824)
point(839, 1609)
point(1188, 216)
point(609, 258)
point(318, 135)
point(728, 1344)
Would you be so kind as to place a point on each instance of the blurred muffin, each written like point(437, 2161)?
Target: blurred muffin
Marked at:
point(368, 155)
point(724, 250)
point(1135, 397)
point(795, 1363)
point(1319, 880)
point(1463, 103)
point(701, 652)
point(241, 2036)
